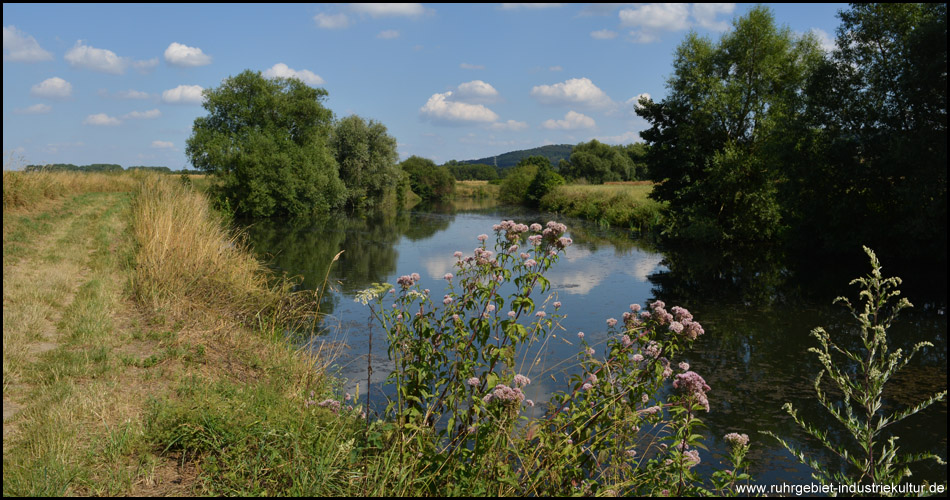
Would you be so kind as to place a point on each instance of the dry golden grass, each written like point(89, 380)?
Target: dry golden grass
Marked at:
point(476, 189)
point(23, 190)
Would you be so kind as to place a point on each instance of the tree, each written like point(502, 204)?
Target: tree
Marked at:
point(731, 120)
point(266, 140)
point(514, 187)
point(544, 182)
point(878, 109)
point(366, 155)
point(428, 180)
point(599, 163)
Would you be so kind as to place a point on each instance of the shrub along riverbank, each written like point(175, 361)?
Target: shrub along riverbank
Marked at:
point(624, 205)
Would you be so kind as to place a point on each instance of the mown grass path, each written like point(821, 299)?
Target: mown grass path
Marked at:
point(75, 351)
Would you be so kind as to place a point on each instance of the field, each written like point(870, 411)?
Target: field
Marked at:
point(624, 205)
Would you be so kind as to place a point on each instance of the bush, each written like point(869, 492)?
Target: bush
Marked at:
point(457, 413)
point(428, 181)
point(860, 376)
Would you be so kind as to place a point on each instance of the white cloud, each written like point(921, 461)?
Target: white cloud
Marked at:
point(555, 68)
point(624, 138)
point(471, 66)
point(331, 21)
point(162, 145)
point(131, 94)
point(579, 91)
point(572, 121)
point(145, 66)
point(650, 20)
point(389, 9)
point(20, 47)
point(281, 70)
point(182, 55)
point(705, 15)
point(440, 108)
point(102, 60)
point(634, 102)
point(476, 91)
point(101, 119)
point(603, 34)
point(388, 34)
point(511, 125)
point(183, 94)
point(143, 115)
point(825, 40)
point(52, 88)
point(656, 17)
point(36, 109)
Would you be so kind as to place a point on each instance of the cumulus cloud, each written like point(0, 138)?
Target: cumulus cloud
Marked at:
point(471, 66)
point(36, 109)
point(281, 70)
point(91, 58)
point(572, 121)
point(183, 94)
point(651, 20)
point(825, 40)
point(441, 108)
point(20, 47)
point(603, 34)
point(101, 119)
point(52, 88)
point(624, 138)
point(388, 34)
point(705, 15)
point(576, 91)
point(634, 102)
point(162, 145)
point(389, 9)
point(331, 21)
point(511, 125)
point(476, 91)
point(182, 55)
point(143, 115)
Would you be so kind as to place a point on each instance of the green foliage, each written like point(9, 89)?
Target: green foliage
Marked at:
point(514, 187)
point(859, 376)
point(366, 155)
point(427, 180)
point(543, 183)
point(599, 163)
point(877, 153)
point(720, 138)
point(69, 167)
point(163, 170)
point(457, 422)
point(266, 140)
point(472, 172)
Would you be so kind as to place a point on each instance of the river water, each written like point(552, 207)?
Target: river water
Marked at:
point(757, 320)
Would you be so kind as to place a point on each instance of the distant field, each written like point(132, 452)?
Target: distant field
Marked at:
point(618, 204)
point(476, 189)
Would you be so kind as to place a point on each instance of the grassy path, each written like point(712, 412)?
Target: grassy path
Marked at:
point(75, 353)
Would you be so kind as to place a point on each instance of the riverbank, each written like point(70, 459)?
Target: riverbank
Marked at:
point(143, 351)
point(622, 205)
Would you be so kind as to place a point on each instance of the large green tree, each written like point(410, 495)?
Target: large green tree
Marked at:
point(719, 139)
point(599, 163)
point(428, 180)
point(878, 111)
point(367, 158)
point(266, 140)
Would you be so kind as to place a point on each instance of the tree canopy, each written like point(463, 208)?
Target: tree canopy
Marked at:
point(366, 155)
point(267, 142)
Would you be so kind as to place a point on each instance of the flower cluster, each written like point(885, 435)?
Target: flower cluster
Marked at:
point(504, 394)
point(694, 386)
point(736, 440)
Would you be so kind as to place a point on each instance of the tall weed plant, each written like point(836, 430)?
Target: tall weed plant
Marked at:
point(868, 454)
point(460, 425)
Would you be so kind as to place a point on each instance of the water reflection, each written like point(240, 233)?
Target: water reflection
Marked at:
point(757, 316)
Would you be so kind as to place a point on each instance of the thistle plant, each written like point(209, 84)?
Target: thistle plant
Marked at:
point(860, 376)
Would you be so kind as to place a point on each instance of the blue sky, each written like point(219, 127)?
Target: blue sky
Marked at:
point(121, 83)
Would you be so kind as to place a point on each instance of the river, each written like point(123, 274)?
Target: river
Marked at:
point(754, 353)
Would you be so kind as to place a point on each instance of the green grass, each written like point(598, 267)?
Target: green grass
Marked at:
point(616, 205)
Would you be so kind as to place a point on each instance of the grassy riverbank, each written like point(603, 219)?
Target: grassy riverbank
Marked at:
point(143, 353)
point(624, 205)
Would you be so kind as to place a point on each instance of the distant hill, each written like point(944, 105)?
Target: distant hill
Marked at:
point(553, 153)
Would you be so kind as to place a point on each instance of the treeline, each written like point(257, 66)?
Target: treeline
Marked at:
point(765, 139)
point(554, 154)
point(102, 167)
